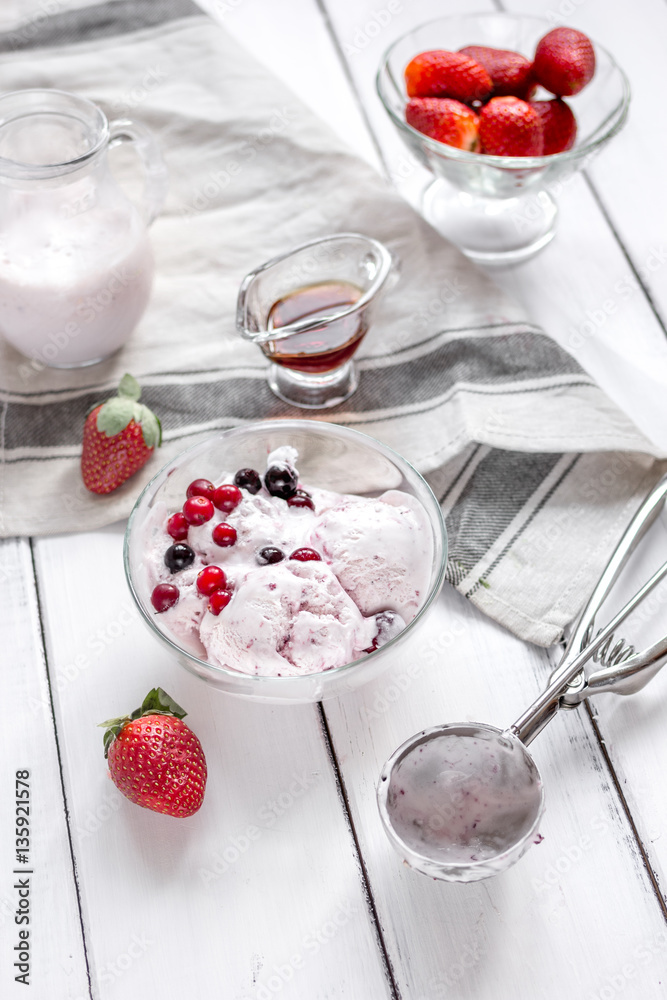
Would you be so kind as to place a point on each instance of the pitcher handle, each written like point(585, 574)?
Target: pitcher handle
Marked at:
point(155, 169)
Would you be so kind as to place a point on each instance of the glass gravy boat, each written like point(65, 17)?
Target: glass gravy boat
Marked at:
point(309, 310)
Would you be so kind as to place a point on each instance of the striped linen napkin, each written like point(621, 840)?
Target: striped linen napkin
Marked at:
point(537, 470)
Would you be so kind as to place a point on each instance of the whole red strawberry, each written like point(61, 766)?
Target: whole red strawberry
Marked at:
point(119, 437)
point(510, 72)
point(558, 123)
point(444, 119)
point(439, 73)
point(509, 126)
point(564, 61)
point(155, 759)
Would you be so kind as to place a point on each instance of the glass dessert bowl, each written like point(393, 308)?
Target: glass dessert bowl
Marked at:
point(329, 571)
point(500, 209)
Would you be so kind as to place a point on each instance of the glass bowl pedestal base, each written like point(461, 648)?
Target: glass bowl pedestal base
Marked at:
point(491, 231)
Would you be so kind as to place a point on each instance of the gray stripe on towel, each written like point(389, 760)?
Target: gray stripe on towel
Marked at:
point(500, 487)
point(482, 362)
point(115, 17)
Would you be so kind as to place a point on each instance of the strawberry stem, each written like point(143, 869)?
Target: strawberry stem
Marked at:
point(129, 387)
point(117, 412)
point(156, 702)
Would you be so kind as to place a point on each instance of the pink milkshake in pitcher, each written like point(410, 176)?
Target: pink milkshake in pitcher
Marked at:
point(76, 266)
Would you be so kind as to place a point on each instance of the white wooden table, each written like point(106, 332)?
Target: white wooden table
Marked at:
point(284, 885)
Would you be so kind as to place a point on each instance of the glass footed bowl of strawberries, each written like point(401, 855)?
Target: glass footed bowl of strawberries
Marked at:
point(512, 125)
point(286, 561)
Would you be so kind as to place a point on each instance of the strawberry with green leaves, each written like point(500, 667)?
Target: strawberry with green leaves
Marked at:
point(154, 757)
point(119, 437)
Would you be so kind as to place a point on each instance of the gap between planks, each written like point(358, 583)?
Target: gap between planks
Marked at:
point(321, 6)
point(365, 880)
point(75, 874)
point(553, 657)
point(612, 228)
point(626, 809)
point(626, 253)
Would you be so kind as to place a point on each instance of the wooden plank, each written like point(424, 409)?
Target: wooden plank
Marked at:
point(43, 884)
point(260, 890)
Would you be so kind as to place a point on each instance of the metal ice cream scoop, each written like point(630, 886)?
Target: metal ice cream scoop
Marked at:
point(463, 801)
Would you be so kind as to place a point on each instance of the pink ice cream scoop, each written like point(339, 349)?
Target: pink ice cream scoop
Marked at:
point(276, 579)
point(288, 618)
point(380, 550)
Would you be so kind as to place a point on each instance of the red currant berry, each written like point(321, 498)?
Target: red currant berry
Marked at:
point(224, 534)
point(227, 498)
point(209, 579)
point(177, 527)
point(197, 510)
point(164, 596)
point(306, 555)
point(200, 488)
point(218, 600)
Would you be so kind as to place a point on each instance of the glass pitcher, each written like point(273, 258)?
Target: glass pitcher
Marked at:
point(76, 266)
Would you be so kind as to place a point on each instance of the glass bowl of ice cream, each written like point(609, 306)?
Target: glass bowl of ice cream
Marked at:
point(288, 560)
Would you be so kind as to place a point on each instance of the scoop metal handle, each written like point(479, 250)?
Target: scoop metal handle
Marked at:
point(641, 522)
point(627, 677)
point(630, 677)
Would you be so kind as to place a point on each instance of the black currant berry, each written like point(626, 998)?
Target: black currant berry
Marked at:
point(178, 557)
point(280, 481)
point(269, 554)
point(248, 480)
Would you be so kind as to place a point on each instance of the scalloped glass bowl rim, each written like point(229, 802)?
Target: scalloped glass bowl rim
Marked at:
point(618, 113)
point(297, 681)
